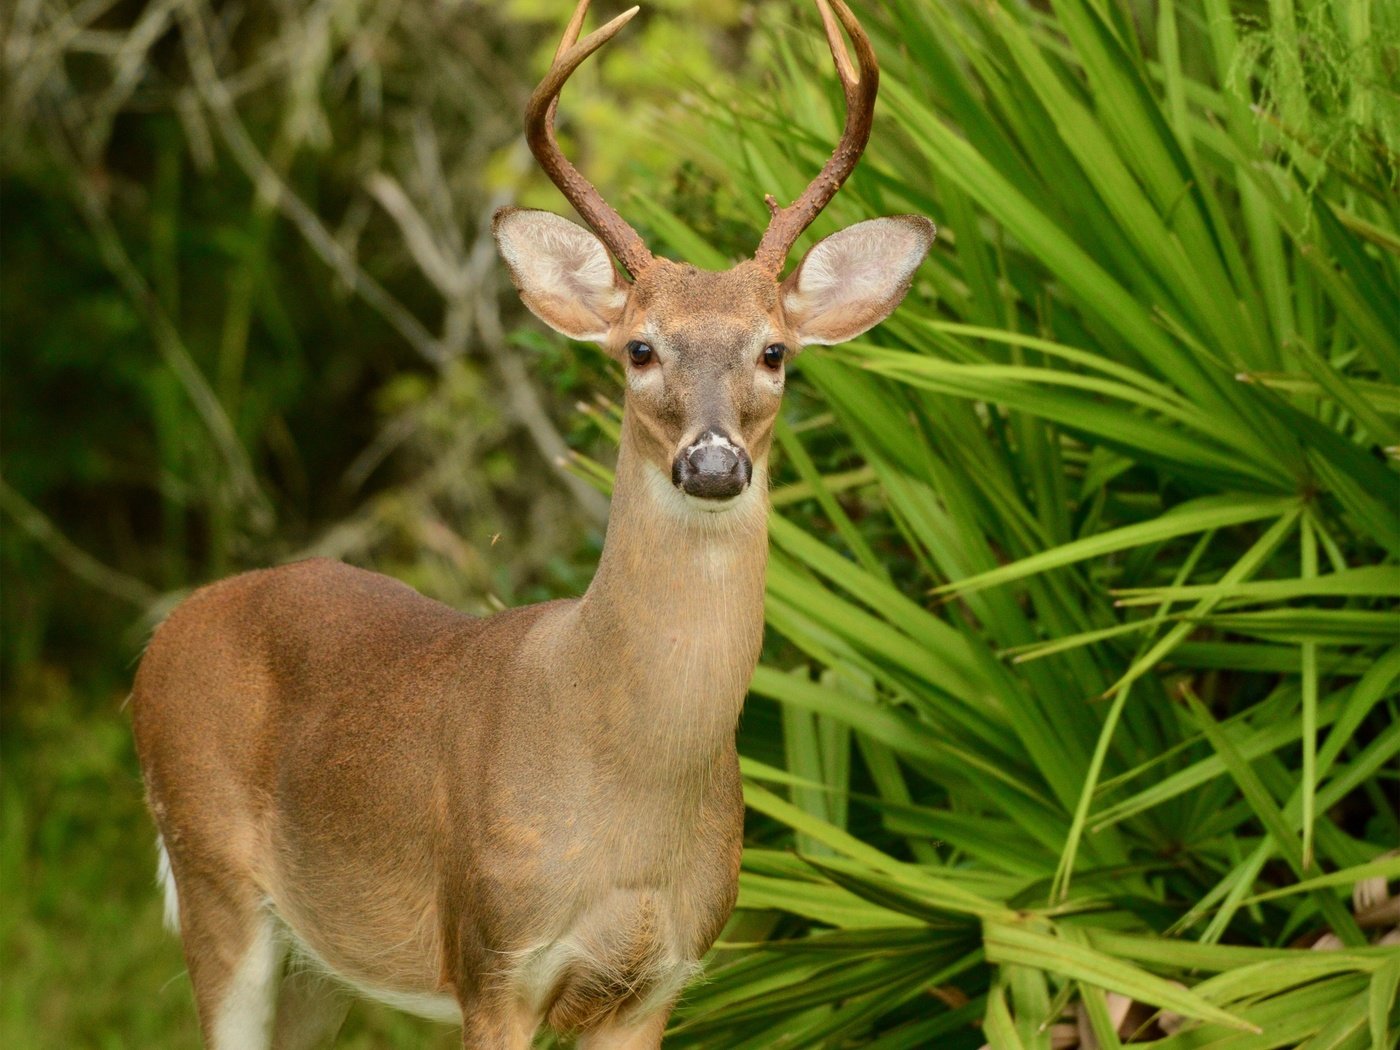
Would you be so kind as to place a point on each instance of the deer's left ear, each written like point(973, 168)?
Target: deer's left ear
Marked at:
point(851, 281)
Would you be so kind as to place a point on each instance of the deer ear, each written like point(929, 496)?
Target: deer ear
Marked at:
point(563, 273)
point(851, 281)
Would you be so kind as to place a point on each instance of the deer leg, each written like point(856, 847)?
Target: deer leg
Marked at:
point(497, 1024)
point(311, 1007)
point(234, 949)
point(632, 1035)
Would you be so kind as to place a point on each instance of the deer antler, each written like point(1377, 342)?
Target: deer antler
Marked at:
point(787, 224)
point(620, 238)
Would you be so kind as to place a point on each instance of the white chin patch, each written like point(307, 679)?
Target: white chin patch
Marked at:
point(677, 503)
point(713, 506)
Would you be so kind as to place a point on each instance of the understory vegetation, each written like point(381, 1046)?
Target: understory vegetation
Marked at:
point(1083, 582)
point(1077, 720)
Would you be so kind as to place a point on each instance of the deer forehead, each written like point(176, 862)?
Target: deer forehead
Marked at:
point(695, 310)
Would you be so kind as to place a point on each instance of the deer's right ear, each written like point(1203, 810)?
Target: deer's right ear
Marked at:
point(563, 273)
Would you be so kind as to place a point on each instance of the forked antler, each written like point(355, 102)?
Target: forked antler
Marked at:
point(621, 239)
point(859, 87)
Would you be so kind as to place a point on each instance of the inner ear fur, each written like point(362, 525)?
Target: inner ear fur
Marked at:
point(563, 272)
point(851, 281)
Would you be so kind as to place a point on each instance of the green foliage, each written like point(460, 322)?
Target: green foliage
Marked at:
point(225, 346)
point(1080, 684)
point(1087, 678)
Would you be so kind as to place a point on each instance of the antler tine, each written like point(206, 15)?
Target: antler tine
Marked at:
point(621, 239)
point(859, 86)
point(571, 31)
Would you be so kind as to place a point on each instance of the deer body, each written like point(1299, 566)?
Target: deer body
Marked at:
point(540, 808)
point(536, 817)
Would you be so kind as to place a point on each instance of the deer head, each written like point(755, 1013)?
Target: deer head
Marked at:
point(705, 352)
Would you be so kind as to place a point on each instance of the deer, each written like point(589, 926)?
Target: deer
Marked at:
point(532, 819)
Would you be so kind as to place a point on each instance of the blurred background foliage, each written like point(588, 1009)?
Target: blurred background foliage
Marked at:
point(1076, 722)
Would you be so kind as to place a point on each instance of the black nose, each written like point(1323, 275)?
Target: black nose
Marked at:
point(712, 468)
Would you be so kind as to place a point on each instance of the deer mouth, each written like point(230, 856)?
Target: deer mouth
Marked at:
point(714, 469)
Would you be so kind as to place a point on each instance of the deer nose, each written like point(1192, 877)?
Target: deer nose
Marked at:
point(714, 467)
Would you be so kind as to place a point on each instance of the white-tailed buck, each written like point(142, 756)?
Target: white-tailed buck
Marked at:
point(534, 818)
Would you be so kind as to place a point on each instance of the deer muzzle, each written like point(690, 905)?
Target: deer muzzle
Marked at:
point(714, 467)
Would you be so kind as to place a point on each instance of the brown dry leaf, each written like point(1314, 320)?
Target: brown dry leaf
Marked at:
point(1170, 1022)
point(1118, 1007)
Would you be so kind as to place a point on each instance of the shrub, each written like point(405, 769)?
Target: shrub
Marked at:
point(1082, 591)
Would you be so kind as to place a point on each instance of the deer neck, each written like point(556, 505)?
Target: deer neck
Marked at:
point(673, 620)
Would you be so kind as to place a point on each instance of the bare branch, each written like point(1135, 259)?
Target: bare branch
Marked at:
point(428, 156)
point(129, 62)
point(437, 261)
point(72, 557)
point(242, 479)
point(31, 58)
point(255, 166)
point(470, 290)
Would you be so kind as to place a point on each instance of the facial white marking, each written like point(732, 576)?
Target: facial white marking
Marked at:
point(765, 378)
point(714, 438)
point(678, 505)
point(645, 379)
point(166, 878)
point(650, 377)
point(244, 1018)
point(711, 505)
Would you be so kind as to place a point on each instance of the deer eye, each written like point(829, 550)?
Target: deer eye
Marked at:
point(773, 355)
point(639, 353)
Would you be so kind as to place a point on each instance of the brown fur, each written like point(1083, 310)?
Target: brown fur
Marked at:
point(537, 815)
point(421, 796)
